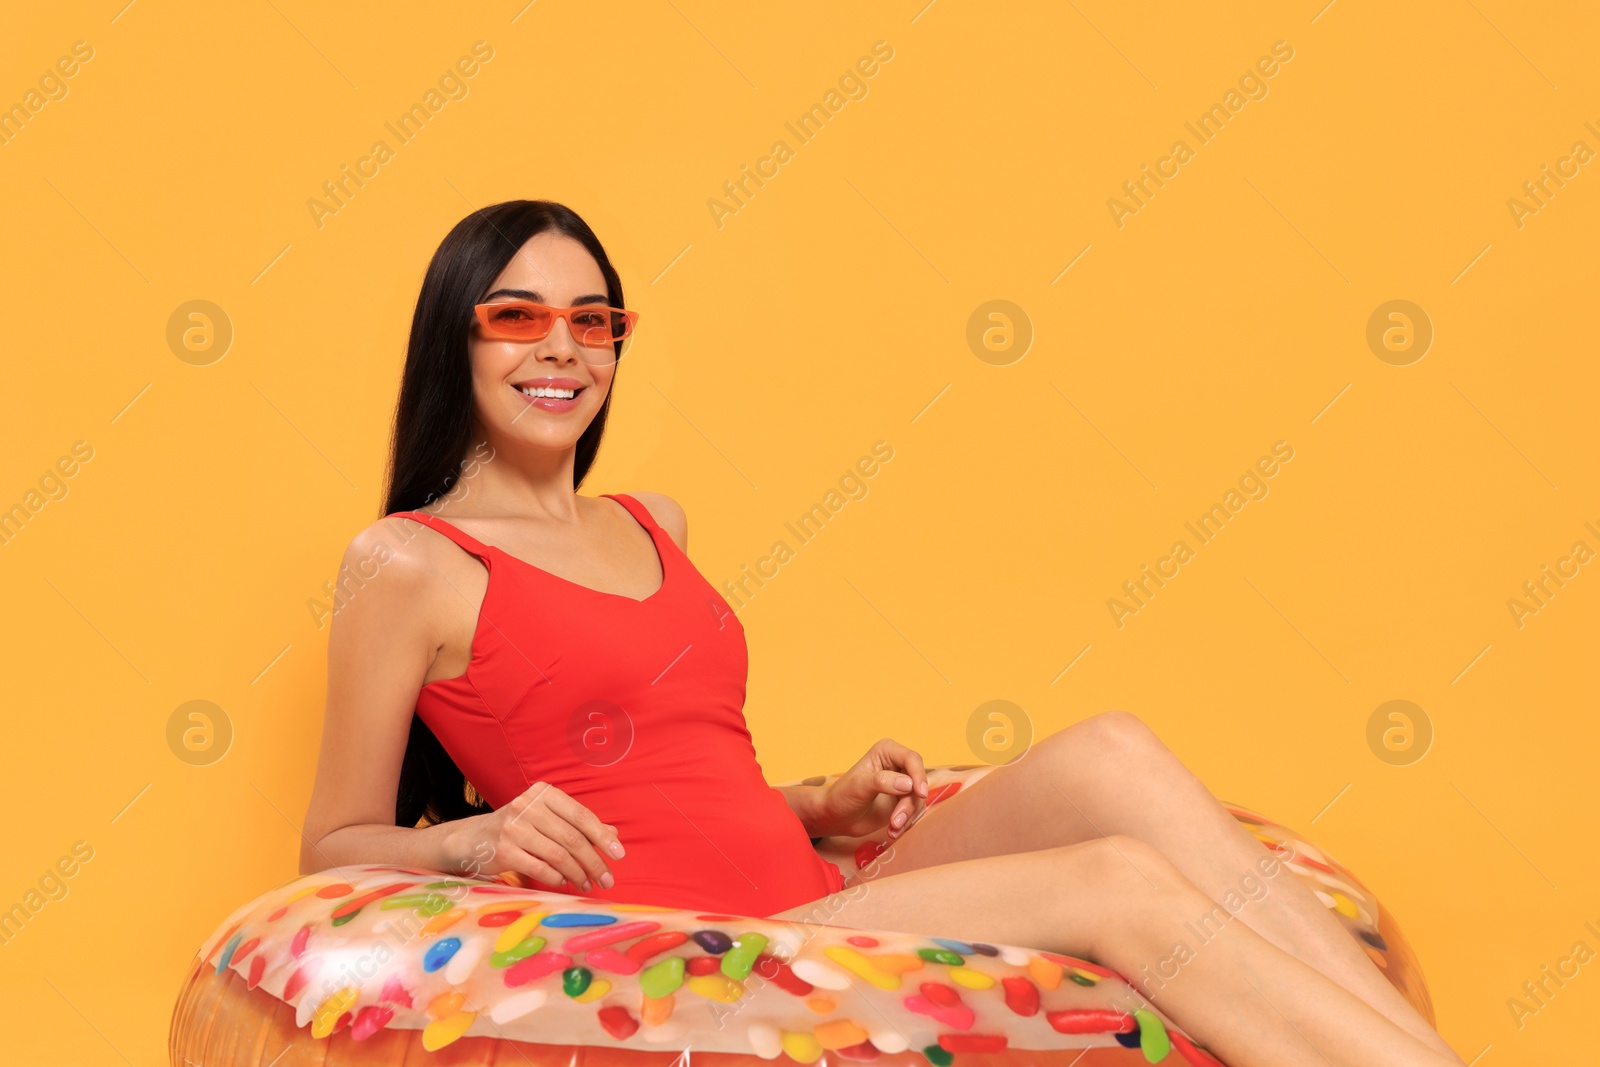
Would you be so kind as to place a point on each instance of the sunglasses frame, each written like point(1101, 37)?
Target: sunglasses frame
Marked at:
point(483, 311)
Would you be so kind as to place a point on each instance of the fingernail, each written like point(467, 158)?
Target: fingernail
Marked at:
point(607, 881)
point(903, 782)
point(900, 818)
point(616, 849)
point(586, 885)
point(922, 787)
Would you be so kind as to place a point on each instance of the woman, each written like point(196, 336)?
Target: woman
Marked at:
point(525, 679)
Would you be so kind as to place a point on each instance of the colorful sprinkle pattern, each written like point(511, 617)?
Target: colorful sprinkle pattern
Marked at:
point(375, 948)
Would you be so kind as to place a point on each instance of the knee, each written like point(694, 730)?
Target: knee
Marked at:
point(1132, 868)
point(1119, 734)
point(1144, 895)
point(1122, 729)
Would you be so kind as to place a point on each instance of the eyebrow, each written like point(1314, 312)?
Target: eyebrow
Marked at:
point(533, 295)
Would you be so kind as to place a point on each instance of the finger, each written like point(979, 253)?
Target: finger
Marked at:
point(601, 836)
point(559, 817)
point(557, 824)
point(539, 831)
point(551, 851)
point(893, 782)
point(531, 866)
point(886, 752)
point(909, 761)
point(599, 839)
point(900, 815)
point(531, 802)
point(538, 791)
point(919, 774)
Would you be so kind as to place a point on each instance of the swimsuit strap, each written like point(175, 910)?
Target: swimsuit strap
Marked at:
point(460, 537)
point(478, 548)
point(637, 510)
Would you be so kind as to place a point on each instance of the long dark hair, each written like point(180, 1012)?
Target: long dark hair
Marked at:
point(433, 426)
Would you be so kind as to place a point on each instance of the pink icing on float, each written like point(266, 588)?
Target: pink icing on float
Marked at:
point(382, 958)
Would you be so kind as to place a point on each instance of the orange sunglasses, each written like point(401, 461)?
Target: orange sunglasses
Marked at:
point(591, 325)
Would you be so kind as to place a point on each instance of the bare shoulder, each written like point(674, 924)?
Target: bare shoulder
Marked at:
point(669, 515)
point(410, 556)
point(390, 540)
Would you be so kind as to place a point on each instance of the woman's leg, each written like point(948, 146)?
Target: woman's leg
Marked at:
point(1248, 1001)
point(1110, 775)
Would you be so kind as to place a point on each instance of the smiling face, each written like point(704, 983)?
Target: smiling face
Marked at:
point(508, 376)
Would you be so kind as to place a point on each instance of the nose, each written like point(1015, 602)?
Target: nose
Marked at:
point(558, 343)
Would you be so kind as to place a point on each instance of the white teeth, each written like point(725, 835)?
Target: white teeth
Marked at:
point(563, 394)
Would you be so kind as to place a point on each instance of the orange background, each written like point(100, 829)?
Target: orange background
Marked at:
point(829, 312)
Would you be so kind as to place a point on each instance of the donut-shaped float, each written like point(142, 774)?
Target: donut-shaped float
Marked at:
point(395, 965)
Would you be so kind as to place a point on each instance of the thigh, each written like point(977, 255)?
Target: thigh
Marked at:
point(1018, 807)
point(1011, 899)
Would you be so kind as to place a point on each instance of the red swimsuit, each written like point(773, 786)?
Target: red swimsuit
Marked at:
point(635, 709)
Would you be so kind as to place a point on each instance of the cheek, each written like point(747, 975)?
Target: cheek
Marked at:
point(603, 376)
point(491, 365)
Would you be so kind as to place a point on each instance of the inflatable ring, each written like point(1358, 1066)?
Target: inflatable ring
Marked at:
point(393, 965)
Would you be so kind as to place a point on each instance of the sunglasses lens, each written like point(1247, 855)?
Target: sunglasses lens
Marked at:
point(599, 326)
point(620, 326)
point(520, 321)
point(590, 327)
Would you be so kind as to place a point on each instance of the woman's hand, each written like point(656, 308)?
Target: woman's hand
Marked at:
point(544, 835)
point(886, 787)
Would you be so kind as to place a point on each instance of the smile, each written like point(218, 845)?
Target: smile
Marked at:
point(550, 394)
point(547, 391)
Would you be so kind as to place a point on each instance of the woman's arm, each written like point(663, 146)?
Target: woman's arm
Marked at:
point(381, 645)
point(394, 631)
point(802, 800)
point(886, 787)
